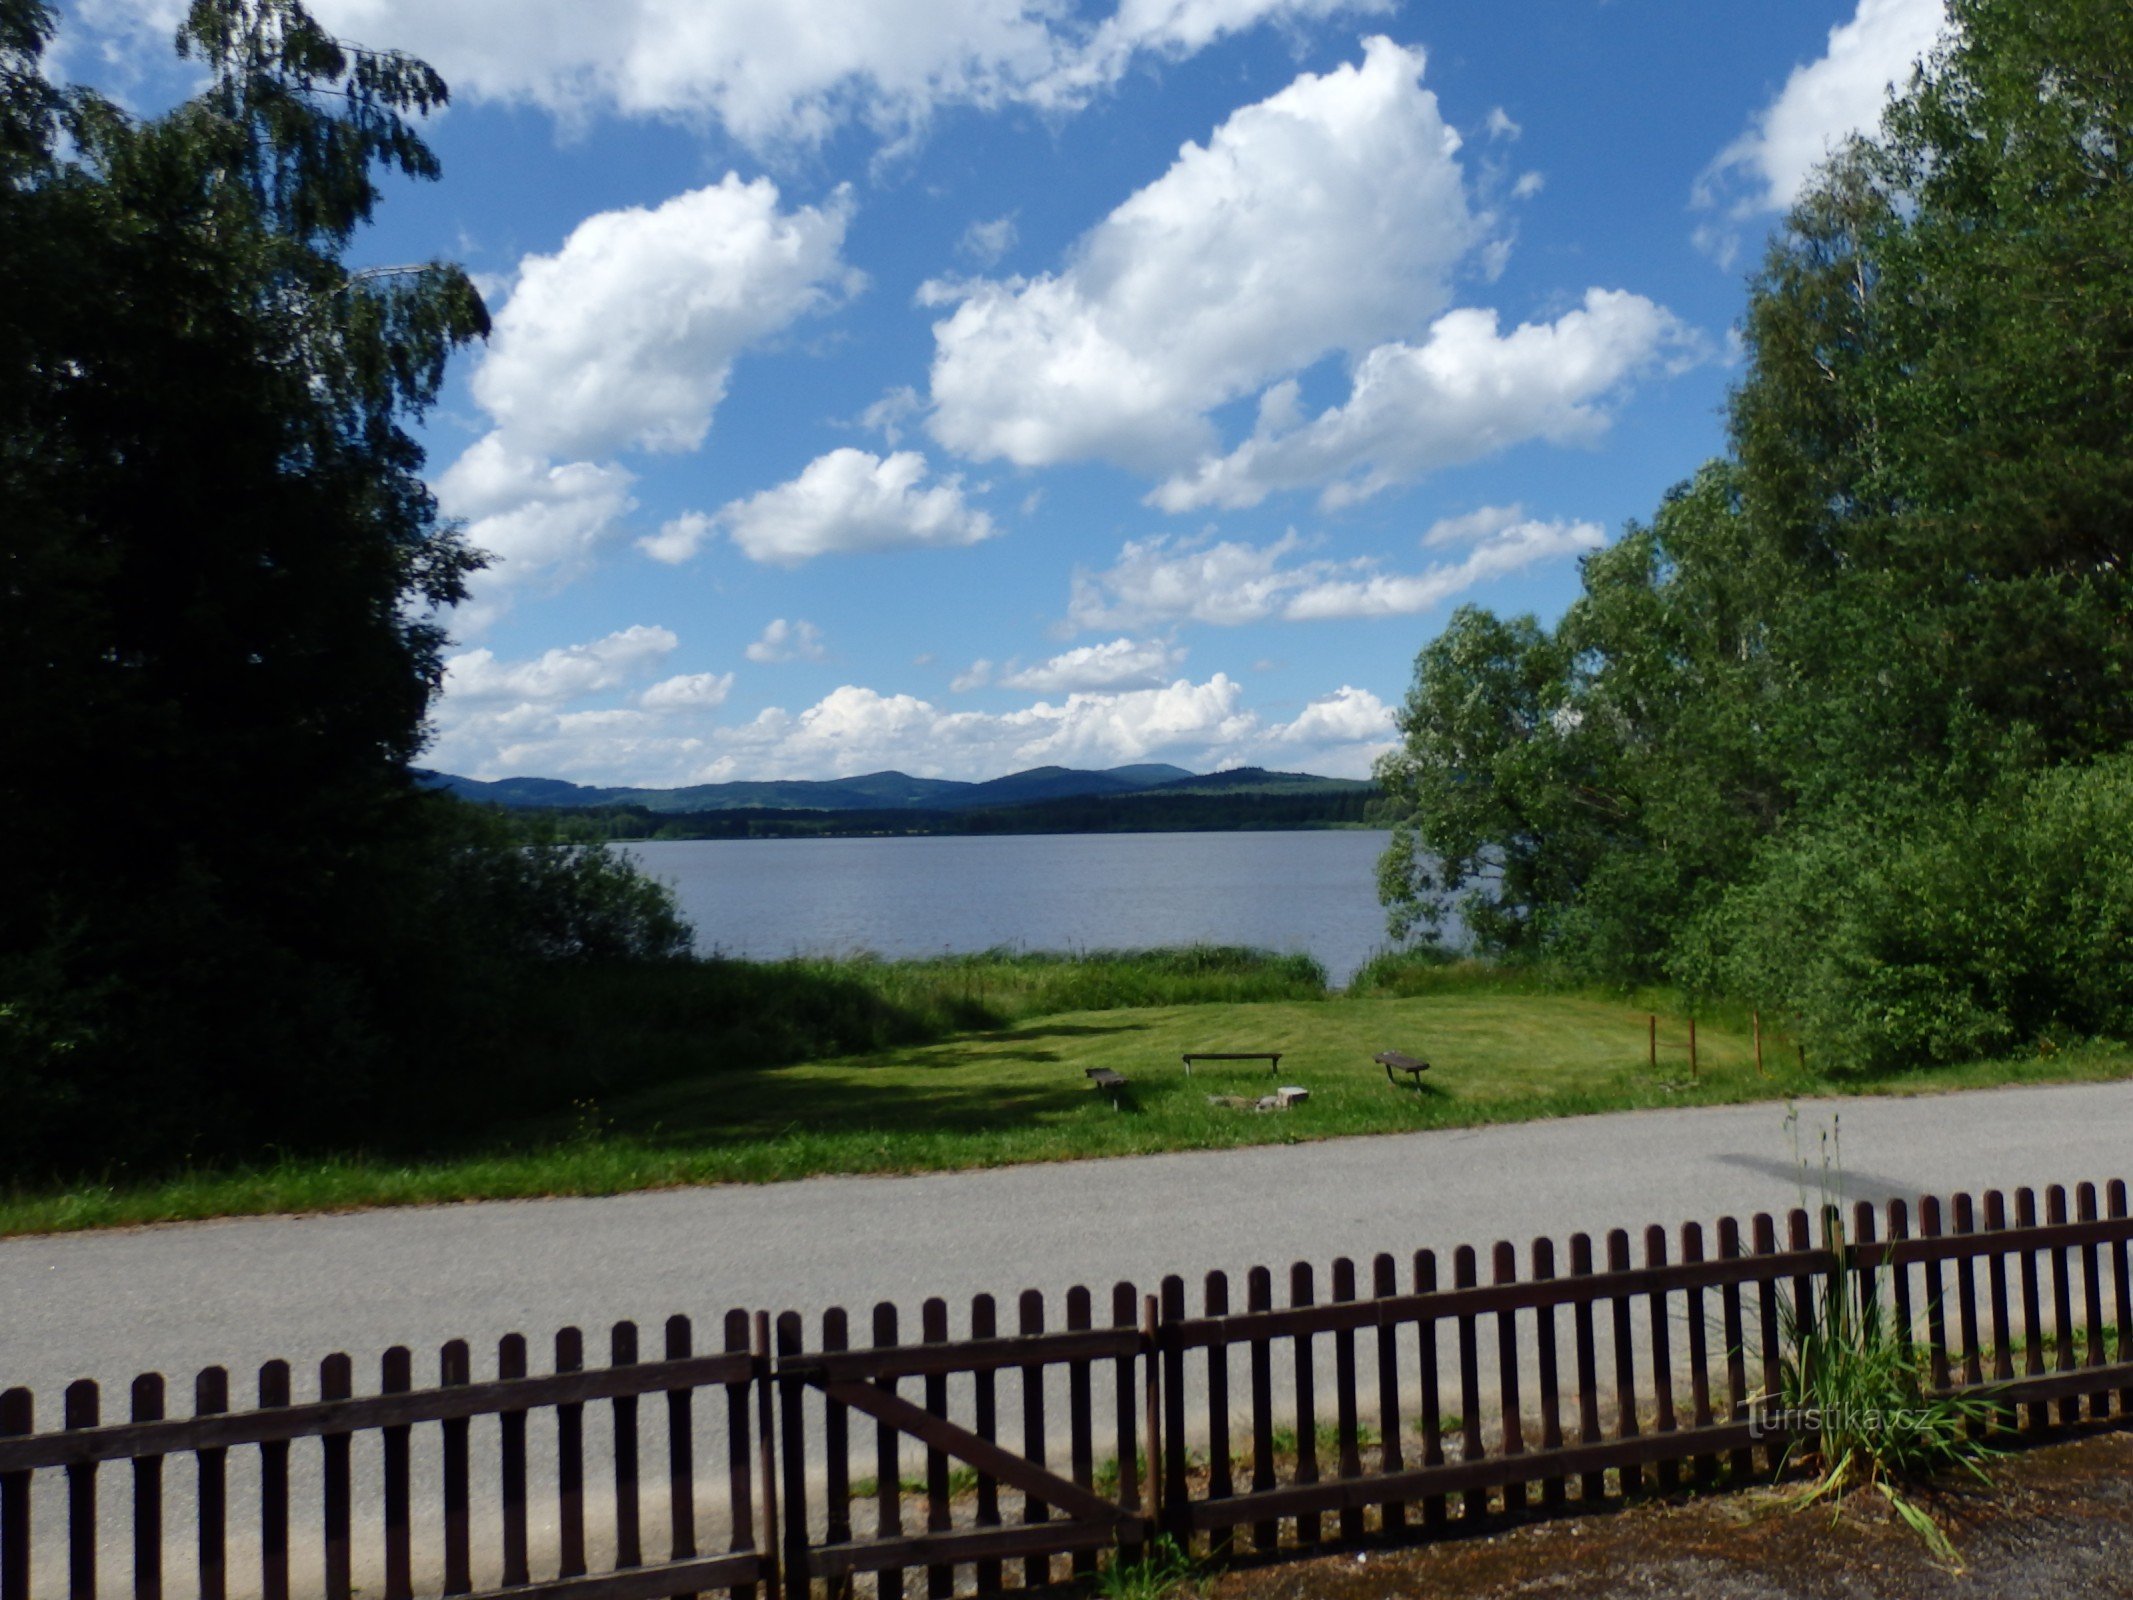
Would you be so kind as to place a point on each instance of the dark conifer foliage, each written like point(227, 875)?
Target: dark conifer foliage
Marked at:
point(230, 917)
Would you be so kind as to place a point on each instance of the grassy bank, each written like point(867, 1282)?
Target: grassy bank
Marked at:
point(992, 1072)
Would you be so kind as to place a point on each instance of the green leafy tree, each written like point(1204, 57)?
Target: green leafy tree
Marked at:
point(219, 589)
point(1903, 596)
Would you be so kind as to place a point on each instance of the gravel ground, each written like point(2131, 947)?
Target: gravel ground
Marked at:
point(2058, 1523)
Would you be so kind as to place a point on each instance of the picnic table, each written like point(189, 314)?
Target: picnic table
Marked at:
point(1272, 1058)
point(1108, 1079)
point(1397, 1061)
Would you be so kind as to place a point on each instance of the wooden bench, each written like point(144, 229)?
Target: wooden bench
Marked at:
point(1272, 1058)
point(1112, 1083)
point(1394, 1061)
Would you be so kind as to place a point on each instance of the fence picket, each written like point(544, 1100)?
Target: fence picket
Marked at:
point(1474, 1504)
point(836, 1440)
point(1308, 1526)
point(1214, 1298)
point(1384, 1284)
point(570, 1461)
point(81, 1408)
point(984, 1324)
point(455, 1367)
point(336, 1381)
point(2092, 1299)
point(1733, 1329)
point(511, 1465)
point(1259, 1296)
point(1899, 1275)
point(792, 1449)
point(1930, 1227)
point(2122, 1287)
point(18, 1419)
point(740, 1487)
point(1669, 1470)
point(2039, 1413)
point(1593, 1485)
point(1771, 1332)
point(211, 1397)
point(147, 1406)
point(1996, 1274)
point(1631, 1475)
point(933, 1329)
point(2063, 1324)
point(1081, 1441)
point(1966, 1288)
point(1124, 1303)
point(396, 1375)
point(1347, 1423)
point(1037, 1569)
point(1551, 1399)
point(274, 1490)
point(1504, 1269)
point(629, 1526)
point(1865, 1259)
point(1699, 1351)
point(1424, 1269)
point(681, 1450)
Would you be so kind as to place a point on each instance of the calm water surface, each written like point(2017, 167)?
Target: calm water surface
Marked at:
point(765, 898)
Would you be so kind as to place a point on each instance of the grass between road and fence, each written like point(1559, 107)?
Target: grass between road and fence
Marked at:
point(755, 1072)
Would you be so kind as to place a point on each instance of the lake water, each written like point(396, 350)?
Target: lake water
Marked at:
point(766, 898)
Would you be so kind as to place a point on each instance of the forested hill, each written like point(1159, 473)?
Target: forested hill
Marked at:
point(1247, 798)
point(871, 791)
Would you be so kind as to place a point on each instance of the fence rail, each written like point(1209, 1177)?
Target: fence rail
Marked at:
point(1412, 1397)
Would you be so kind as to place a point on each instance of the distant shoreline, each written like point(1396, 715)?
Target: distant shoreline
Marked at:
point(1082, 814)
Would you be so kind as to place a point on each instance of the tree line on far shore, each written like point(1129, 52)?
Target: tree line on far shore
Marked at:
point(1128, 813)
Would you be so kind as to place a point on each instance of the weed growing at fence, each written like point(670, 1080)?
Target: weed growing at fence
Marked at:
point(1163, 1572)
point(1859, 1392)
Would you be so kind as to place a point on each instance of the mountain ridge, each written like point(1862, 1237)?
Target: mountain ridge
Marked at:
point(886, 791)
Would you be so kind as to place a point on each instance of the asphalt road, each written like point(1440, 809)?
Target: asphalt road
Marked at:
point(176, 1298)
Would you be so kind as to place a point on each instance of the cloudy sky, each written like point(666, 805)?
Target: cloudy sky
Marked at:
point(961, 386)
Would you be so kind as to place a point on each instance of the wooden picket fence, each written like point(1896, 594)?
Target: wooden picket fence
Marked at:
point(1399, 1404)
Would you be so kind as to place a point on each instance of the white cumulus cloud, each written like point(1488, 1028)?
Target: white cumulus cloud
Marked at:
point(1120, 664)
point(564, 673)
point(693, 691)
point(1511, 549)
point(771, 72)
point(1326, 217)
point(787, 641)
point(1465, 391)
point(1823, 103)
point(852, 500)
point(1347, 716)
point(625, 337)
point(1164, 579)
point(670, 734)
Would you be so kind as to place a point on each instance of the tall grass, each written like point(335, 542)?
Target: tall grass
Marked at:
point(600, 1032)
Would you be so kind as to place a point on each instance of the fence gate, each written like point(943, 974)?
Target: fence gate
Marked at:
point(998, 1503)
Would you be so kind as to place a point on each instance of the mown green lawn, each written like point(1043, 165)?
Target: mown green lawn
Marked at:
point(1020, 1093)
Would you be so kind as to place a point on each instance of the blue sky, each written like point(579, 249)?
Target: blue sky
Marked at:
point(961, 386)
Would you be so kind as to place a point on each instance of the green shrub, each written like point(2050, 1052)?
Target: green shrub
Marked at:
point(1941, 934)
